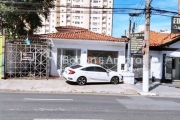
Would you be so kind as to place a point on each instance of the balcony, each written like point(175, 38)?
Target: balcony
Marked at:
point(104, 26)
point(46, 31)
point(46, 28)
point(68, 11)
point(104, 14)
point(68, 7)
point(68, 20)
point(105, 3)
point(68, 23)
point(104, 20)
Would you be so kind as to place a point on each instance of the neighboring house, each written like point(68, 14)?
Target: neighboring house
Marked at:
point(165, 52)
point(75, 45)
point(89, 14)
point(164, 56)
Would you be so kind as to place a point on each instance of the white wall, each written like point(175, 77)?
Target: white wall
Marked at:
point(173, 53)
point(157, 59)
point(175, 45)
point(156, 64)
point(85, 46)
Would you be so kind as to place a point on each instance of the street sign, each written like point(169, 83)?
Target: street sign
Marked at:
point(136, 43)
point(175, 25)
point(27, 56)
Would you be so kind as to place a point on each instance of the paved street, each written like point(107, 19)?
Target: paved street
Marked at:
point(31, 106)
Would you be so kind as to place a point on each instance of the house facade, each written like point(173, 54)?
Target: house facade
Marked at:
point(74, 45)
point(164, 57)
point(165, 52)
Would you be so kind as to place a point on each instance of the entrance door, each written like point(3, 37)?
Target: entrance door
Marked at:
point(138, 66)
point(168, 68)
point(176, 68)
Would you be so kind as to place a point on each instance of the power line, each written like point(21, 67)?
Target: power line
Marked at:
point(158, 12)
point(151, 2)
point(81, 7)
point(140, 16)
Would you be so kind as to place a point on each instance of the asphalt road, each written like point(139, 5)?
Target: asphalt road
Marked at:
point(31, 106)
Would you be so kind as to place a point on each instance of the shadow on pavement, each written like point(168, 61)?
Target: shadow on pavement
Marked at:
point(101, 83)
point(154, 86)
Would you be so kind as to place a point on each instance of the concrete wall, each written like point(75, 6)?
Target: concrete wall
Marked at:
point(157, 61)
point(156, 64)
point(85, 46)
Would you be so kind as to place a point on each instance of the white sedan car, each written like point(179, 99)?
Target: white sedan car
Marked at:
point(83, 74)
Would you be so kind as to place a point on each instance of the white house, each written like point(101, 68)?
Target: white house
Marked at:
point(75, 45)
point(72, 45)
point(164, 57)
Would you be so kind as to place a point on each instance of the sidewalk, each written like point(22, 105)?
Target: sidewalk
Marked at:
point(162, 89)
point(61, 86)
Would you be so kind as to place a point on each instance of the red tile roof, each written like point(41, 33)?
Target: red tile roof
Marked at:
point(71, 27)
point(157, 39)
point(78, 33)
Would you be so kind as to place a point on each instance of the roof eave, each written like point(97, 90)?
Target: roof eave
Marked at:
point(114, 41)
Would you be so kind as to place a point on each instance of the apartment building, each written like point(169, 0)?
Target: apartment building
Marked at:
point(94, 15)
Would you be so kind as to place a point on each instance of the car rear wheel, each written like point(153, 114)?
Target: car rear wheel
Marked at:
point(81, 80)
point(115, 80)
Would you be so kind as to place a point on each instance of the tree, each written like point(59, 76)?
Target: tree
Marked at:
point(22, 16)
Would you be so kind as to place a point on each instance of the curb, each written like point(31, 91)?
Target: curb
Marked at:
point(148, 94)
point(72, 91)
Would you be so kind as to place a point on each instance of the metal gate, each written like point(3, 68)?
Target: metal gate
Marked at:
point(168, 67)
point(27, 61)
point(138, 66)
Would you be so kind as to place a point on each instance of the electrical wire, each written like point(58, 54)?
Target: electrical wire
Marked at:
point(140, 16)
point(116, 10)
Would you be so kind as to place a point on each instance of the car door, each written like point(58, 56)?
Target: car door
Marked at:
point(101, 74)
point(89, 73)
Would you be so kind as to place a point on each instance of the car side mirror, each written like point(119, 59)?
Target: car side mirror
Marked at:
point(108, 70)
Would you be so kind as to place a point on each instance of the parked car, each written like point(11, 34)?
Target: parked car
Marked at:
point(91, 73)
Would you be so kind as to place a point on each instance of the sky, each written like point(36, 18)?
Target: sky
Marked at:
point(157, 22)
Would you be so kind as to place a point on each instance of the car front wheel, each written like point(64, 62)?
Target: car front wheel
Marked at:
point(81, 80)
point(115, 80)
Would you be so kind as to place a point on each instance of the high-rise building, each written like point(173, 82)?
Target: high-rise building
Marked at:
point(95, 15)
point(178, 7)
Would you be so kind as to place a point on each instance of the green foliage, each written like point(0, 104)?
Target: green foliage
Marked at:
point(22, 16)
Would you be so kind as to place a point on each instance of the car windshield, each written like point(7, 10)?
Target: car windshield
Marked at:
point(75, 66)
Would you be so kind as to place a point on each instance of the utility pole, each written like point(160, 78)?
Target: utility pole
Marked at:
point(145, 87)
point(129, 47)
